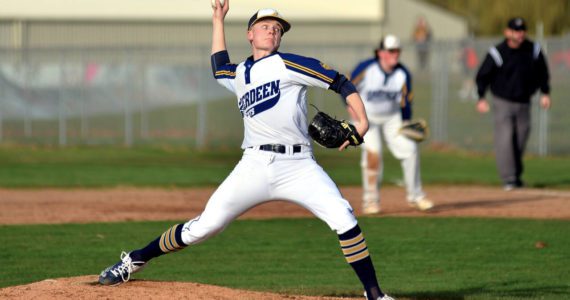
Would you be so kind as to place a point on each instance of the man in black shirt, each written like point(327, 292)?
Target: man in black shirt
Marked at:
point(514, 70)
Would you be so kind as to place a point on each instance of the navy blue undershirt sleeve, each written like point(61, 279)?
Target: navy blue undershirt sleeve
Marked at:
point(218, 60)
point(342, 86)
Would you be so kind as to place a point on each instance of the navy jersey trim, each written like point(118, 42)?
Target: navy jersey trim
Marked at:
point(407, 94)
point(358, 72)
point(249, 62)
point(309, 67)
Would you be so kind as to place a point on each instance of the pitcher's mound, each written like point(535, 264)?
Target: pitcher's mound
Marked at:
point(86, 287)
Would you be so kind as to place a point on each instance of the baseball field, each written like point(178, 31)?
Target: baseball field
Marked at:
point(68, 213)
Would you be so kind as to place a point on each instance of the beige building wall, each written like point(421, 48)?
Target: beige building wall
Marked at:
point(195, 10)
point(182, 23)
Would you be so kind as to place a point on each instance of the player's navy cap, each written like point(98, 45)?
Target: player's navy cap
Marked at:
point(390, 42)
point(517, 24)
point(268, 13)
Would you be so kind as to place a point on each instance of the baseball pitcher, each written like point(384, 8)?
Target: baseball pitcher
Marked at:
point(277, 161)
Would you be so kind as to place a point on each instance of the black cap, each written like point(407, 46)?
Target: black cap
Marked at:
point(517, 24)
point(268, 13)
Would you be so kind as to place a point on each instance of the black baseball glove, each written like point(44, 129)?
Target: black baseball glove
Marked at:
point(332, 133)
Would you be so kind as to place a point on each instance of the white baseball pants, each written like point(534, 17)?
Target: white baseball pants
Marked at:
point(262, 176)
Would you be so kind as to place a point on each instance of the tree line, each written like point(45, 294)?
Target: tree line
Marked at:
point(489, 17)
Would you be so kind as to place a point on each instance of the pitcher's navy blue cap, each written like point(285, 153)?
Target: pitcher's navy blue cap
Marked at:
point(517, 24)
point(268, 13)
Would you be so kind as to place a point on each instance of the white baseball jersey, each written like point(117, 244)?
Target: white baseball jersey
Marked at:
point(387, 97)
point(383, 93)
point(271, 94)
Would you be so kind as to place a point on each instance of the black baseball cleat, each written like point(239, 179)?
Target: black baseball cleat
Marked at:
point(121, 271)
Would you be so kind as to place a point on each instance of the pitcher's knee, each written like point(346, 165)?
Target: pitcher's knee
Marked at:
point(343, 222)
point(196, 231)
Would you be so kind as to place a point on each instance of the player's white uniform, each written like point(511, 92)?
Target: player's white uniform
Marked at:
point(387, 97)
point(277, 161)
point(271, 96)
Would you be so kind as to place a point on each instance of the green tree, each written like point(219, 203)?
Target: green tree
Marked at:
point(489, 17)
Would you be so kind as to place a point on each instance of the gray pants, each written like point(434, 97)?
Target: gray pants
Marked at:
point(512, 129)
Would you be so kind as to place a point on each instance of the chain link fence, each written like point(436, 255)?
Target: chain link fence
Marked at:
point(135, 96)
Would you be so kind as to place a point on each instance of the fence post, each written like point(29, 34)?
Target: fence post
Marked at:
point(202, 108)
point(2, 97)
point(142, 70)
point(27, 95)
point(440, 95)
point(127, 94)
point(83, 99)
point(542, 113)
point(62, 128)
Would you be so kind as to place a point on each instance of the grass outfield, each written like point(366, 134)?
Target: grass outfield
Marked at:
point(454, 258)
point(443, 258)
point(30, 167)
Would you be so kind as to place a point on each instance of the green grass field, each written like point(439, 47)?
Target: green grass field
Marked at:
point(30, 167)
point(418, 258)
point(424, 258)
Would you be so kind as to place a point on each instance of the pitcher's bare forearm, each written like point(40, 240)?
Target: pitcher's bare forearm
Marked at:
point(358, 113)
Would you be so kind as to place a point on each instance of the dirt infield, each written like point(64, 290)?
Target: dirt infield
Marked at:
point(130, 204)
point(51, 206)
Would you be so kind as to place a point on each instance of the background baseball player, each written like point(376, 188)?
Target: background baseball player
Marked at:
point(277, 162)
point(386, 89)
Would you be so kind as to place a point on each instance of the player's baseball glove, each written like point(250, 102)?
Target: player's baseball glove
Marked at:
point(417, 130)
point(332, 133)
